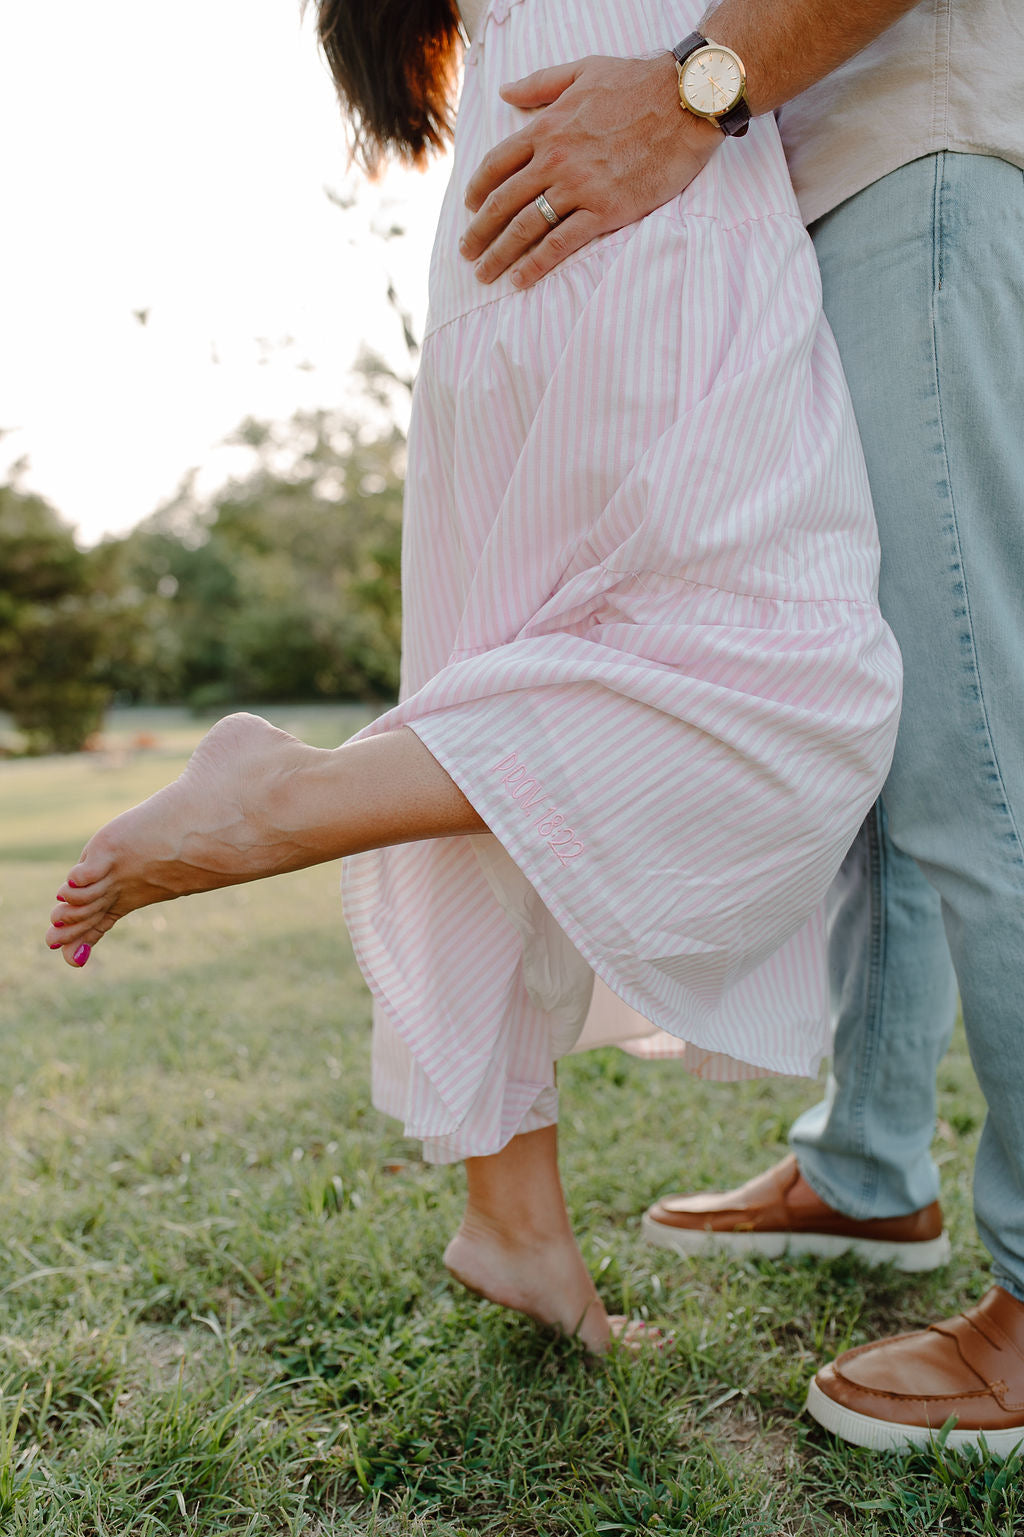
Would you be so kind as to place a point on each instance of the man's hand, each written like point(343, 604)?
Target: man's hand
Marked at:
point(609, 144)
point(609, 141)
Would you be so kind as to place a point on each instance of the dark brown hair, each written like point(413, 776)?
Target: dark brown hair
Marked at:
point(394, 63)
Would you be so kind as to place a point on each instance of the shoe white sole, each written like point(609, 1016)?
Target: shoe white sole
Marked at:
point(882, 1436)
point(926, 1255)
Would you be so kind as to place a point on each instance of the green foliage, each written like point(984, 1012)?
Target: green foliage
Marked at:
point(56, 622)
point(284, 584)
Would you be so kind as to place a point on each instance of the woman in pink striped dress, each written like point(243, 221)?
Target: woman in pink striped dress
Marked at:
point(647, 694)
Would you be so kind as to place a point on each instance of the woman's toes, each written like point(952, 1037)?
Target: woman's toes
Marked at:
point(67, 923)
point(76, 955)
point(83, 893)
point(81, 936)
point(66, 937)
point(93, 900)
point(92, 869)
point(636, 1334)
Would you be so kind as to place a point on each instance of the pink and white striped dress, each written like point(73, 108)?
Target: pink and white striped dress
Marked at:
point(640, 634)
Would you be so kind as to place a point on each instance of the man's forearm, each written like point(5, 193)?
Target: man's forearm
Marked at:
point(788, 45)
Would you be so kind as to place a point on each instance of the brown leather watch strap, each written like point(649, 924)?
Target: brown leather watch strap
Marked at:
point(693, 40)
point(736, 122)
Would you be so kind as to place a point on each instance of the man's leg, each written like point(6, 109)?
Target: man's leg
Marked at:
point(951, 584)
point(864, 1152)
point(925, 292)
point(865, 1149)
point(940, 251)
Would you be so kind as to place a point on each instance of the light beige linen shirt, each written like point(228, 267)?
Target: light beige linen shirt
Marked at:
point(948, 75)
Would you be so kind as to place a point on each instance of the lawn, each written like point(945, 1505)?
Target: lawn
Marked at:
point(222, 1301)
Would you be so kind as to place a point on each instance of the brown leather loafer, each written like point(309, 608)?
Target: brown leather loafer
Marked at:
point(778, 1213)
point(901, 1391)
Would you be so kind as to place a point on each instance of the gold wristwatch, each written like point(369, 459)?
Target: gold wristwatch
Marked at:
point(712, 83)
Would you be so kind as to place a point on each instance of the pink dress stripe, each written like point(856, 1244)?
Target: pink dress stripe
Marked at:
point(641, 635)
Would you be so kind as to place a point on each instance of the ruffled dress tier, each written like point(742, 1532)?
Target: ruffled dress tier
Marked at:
point(641, 634)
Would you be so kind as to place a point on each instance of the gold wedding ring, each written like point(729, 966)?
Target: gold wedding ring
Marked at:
point(546, 209)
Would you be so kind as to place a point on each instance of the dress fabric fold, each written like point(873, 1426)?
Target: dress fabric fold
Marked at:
point(641, 634)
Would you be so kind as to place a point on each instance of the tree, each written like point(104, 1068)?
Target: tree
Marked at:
point(55, 624)
point(285, 583)
point(282, 584)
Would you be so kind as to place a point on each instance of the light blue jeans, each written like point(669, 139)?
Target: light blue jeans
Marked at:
point(923, 277)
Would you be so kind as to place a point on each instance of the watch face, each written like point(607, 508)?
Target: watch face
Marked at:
point(711, 80)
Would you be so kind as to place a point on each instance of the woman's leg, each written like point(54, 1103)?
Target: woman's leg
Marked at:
point(515, 1245)
point(252, 802)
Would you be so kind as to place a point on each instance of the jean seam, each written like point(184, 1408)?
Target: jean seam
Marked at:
point(938, 215)
point(861, 1074)
point(940, 173)
point(872, 1000)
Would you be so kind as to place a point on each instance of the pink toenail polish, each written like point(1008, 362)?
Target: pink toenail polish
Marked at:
point(73, 885)
point(60, 898)
point(56, 924)
point(57, 946)
point(82, 954)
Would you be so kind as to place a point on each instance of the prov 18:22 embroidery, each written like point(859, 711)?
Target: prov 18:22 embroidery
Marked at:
point(529, 796)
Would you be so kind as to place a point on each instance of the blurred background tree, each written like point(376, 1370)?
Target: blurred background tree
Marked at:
point(283, 584)
point(59, 623)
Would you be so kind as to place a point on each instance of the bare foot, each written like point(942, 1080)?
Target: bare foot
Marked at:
point(636, 1334)
point(545, 1278)
point(227, 819)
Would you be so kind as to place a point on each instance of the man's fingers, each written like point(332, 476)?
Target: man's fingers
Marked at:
point(501, 162)
point(604, 153)
point(542, 87)
point(515, 152)
point(508, 217)
point(519, 234)
point(567, 237)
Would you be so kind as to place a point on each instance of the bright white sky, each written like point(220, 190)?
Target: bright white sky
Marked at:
point(173, 158)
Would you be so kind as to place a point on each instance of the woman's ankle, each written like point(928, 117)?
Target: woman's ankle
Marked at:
point(544, 1278)
point(522, 1230)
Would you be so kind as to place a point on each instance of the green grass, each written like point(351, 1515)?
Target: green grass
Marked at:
point(222, 1303)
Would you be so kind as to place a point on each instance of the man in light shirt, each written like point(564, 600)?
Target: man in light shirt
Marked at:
point(904, 130)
